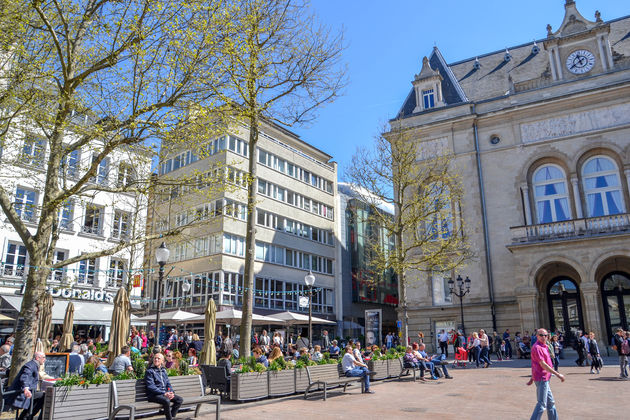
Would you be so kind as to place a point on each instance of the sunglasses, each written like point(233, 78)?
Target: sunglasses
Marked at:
point(543, 335)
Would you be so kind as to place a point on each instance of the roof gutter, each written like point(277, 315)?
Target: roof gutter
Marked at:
point(484, 217)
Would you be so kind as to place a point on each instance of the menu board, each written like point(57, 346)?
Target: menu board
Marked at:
point(56, 364)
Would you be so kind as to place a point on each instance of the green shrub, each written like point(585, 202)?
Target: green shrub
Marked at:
point(172, 372)
point(124, 376)
point(88, 372)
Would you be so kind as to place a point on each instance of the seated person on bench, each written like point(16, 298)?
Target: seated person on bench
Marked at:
point(410, 361)
point(353, 368)
point(159, 389)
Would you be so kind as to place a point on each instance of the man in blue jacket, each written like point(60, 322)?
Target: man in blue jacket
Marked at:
point(25, 384)
point(159, 389)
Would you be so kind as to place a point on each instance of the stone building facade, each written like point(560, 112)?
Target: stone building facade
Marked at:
point(540, 133)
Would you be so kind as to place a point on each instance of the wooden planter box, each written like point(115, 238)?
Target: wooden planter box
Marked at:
point(281, 382)
point(248, 386)
point(380, 367)
point(91, 402)
point(393, 368)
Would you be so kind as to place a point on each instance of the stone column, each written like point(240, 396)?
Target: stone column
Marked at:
point(576, 198)
point(590, 311)
point(527, 207)
point(527, 297)
point(602, 54)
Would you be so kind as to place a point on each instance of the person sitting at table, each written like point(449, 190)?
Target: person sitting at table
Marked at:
point(192, 357)
point(260, 357)
point(224, 360)
point(75, 361)
point(276, 353)
point(334, 349)
point(317, 353)
point(171, 361)
point(122, 362)
point(98, 365)
point(159, 389)
point(25, 384)
point(5, 358)
point(54, 347)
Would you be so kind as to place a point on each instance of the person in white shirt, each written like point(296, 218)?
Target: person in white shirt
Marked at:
point(443, 338)
point(357, 352)
point(353, 368)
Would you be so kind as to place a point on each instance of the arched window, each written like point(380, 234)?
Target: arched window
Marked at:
point(602, 187)
point(551, 195)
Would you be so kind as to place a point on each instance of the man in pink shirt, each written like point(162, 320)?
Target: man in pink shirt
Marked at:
point(541, 373)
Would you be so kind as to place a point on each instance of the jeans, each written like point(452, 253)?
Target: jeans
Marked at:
point(623, 365)
point(170, 407)
point(545, 402)
point(477, 353)
point(508, 349)
point(430, 366)
point(444, 347)
point(360, 371)
point(483, 355)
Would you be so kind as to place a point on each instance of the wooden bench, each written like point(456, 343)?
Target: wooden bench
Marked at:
point(329, 376)
point(131, 396)
point(77, 402)
point(404, 370)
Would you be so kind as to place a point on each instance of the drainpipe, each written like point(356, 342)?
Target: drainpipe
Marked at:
point(484, 217)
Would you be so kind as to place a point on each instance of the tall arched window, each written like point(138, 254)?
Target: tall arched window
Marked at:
point(602, 187)
point(551, 194)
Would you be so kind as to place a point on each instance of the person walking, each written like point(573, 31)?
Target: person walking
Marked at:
point(594, 353)
point(25, 386)
point(555, 355)
point(484, 348)
point(541, 374)
point(508, 345)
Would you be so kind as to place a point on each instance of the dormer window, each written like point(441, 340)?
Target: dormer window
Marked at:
point(428, 98)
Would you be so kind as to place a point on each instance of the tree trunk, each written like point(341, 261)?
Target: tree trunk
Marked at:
point(28, 319)
point(402, 286)
point(250, 242)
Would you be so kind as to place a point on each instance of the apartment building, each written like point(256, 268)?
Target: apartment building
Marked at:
point(93, 221)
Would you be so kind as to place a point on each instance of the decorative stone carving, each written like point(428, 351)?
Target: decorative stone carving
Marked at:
point(575, 123)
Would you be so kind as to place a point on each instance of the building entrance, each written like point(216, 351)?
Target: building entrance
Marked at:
point(616, 300)
point(565, 308)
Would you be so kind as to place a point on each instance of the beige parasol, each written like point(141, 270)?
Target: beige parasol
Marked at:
point(45, 320)
point(209, 353)
point(68, 320)
point(120, 325)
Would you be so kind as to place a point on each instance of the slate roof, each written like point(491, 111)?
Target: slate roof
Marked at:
point(495, 78)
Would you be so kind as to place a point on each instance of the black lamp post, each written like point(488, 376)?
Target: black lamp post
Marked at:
point(460, 294)
point(161, 255)
point(309, 279)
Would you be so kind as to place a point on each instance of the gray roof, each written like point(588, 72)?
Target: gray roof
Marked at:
point(496, 77)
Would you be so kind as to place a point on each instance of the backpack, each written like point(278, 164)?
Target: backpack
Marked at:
point(625, 347)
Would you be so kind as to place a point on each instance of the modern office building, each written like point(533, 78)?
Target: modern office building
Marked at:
point(361, 289)
point(295, 223)
point(540, 133)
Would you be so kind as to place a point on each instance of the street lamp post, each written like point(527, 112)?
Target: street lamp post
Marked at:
point(309, 279)
point(460, 294)
point(161, 255)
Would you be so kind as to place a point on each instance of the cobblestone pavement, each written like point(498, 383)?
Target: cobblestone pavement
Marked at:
point(499, 392)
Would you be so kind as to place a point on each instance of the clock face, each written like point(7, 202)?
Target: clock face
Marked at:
point(580, 61)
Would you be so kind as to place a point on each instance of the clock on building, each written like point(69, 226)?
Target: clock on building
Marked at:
point(580, 61)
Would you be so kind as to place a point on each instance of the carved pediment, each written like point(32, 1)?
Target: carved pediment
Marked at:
point(574, 25)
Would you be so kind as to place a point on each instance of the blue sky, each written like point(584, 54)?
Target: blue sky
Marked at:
point(386, 43)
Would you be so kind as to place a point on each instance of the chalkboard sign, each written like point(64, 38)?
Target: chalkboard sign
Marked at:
point(56, 364)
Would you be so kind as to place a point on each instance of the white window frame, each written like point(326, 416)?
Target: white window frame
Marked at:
point(603, 190)
point(551, 198)
point(25, 204)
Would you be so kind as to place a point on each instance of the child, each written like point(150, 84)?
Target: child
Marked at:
point(502, 350)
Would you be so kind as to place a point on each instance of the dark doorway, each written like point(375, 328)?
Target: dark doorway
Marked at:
point(616, 299)
point(565, 308)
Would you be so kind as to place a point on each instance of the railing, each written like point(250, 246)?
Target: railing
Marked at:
point(569, 229)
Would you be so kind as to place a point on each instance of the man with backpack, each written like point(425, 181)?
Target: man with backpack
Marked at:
point(621, 344)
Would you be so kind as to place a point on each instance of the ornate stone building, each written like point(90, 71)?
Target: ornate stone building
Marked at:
point(541, 135)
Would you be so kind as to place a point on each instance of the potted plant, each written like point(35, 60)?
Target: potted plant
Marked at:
point(249, 382)
point(393, 365)
point(301, 378)
point(379, 365)
point(281, 378)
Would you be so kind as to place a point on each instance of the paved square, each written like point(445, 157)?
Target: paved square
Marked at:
point(499, 392)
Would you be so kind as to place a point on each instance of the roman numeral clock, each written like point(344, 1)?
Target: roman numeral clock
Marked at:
point(580, 61)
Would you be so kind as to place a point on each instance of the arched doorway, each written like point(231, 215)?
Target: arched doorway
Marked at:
point(616, 299)
point(565, 308)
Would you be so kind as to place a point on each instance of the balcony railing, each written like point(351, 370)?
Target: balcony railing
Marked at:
point(571, 229)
